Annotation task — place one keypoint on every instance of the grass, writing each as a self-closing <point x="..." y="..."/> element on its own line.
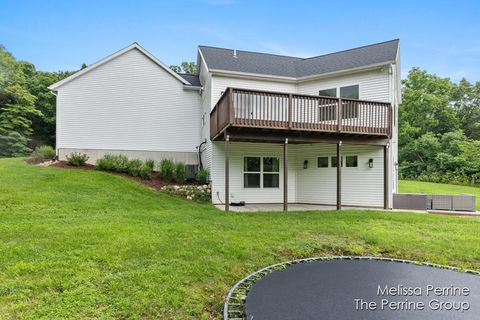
<point x="81" y="244"/>
<point x="406" y="186"/>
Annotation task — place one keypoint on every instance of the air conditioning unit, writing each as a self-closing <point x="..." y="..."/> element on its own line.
<point x="191" y="171"/>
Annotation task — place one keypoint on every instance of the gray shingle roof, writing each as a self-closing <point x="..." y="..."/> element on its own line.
<point x="285" y="66"/>
<point x="194" y="80"/>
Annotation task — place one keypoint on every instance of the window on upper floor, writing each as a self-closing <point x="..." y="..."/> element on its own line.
<point x="350" y="92"/>
<point x="328" y="92"/>
<point x="328" y="112"/>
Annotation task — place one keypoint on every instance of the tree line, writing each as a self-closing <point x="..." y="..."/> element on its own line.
<point x="439" y="129"/>
<point x="439" y="120"/>
<point x="27" y="107"/>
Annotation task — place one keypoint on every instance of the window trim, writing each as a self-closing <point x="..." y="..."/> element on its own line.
<point x="351" y="155"/>
<point x="334" y="88"/>
<point x="338" y="87"/>
<point x="261" y="172"/>
<point x="328" y="162"/>
<point x="352" y="85"/>
<point x="341" y="161"/>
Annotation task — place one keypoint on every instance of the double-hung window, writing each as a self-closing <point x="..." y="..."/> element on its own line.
<point x="261" y="172"/>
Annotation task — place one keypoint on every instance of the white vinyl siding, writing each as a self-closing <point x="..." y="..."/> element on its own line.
<point x="128" y="103"/>
<point x="206" y="108"/>
<point x="220" y="83"/>
<point x="360" y="185"/>
<point x="373" y="85"/>
<point x="237" y="152"/>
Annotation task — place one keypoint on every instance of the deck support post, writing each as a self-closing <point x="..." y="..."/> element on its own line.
<point x="227" y="174"/>
<point x="386" y="187"/>
<point x="285" y="175"/>
<point x="339" y="175"/>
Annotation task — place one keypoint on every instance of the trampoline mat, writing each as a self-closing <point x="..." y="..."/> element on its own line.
<point x="345" y="289"/>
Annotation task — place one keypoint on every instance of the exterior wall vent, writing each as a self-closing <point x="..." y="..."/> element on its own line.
<point x="191" y="171"/>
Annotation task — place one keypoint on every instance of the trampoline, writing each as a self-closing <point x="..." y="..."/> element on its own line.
<point x="366" y="288"/>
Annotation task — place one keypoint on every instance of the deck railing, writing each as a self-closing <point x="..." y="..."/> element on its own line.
<point x="273" y="110"/>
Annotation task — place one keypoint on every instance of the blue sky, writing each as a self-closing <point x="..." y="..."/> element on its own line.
<point x="442" y="37"/>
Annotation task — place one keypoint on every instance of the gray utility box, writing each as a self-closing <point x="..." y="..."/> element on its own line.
<point x="464" y="203"/>
<point x="447" y="202"/>
<point x="410" y="201"/>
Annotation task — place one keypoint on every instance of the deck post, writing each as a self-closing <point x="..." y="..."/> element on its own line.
<point x="339" y="175"/>
<point x="339" y="115"/>
<point x="385" y="177"/>
<point x="231" y="110"/>
<point x="290" y="106"/>
<point x="285" y="175"/>
<point x="227" y="174"/>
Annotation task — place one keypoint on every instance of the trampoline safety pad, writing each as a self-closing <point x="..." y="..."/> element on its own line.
<point x="364" y="289"/>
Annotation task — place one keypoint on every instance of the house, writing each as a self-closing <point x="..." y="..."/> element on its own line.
<point x="270" y="128"/>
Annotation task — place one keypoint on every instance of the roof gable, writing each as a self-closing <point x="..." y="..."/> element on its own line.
<point x="133" y="46"/>
<point x="294" y="67"/>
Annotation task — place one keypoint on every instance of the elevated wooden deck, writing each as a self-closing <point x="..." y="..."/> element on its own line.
<point x="251" y="114"/>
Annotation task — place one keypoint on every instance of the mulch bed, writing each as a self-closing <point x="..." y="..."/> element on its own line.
<point x="155" y="183"/>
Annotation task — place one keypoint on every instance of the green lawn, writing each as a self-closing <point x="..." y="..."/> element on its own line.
<point x="406" y="186"/>
<point x="88" y="245"/>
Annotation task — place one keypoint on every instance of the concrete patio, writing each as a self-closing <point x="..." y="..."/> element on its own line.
<point x="259" y="207"/>
<point x="255" y="207"/>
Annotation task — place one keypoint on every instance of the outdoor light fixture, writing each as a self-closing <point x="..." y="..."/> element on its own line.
<point x="370" y="163"/>
<point x="305" y="164"/>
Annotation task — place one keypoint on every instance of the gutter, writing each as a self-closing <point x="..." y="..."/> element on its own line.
<point x="193" y="88"/>
<point x="248" y="75"/>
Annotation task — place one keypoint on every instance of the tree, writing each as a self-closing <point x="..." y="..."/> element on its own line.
<point x="189" y="67"/>
<point x="185" y="67"/>
<point x="470" y="158"/>
<point x="467" y="105"/>
<point x="17" y="105"/>
<point x="451" y="142"/>
<point x="176" y="68"/>
<point x="43" y="125"/>
<point x="426" y="106"/>
<point x="419" y="156"/>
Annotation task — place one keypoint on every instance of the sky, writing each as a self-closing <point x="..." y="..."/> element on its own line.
<point x="442" y="37"/>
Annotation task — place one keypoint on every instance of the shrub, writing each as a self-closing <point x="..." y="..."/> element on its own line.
<point x="167" y="168"/>
<point x="120" y="164"/>
<point x="180" y="172"/>
<point x="105" y="163"/>
<point x="151" y="164"/>
<point x="77" y="159"/>
<point x="43" y="153"/>
<point x="116" y="163"/>
<point x="197" y="193"/>
<point x="145" y="172"/>
<point x="134" y="166"/>
<point x="202" y="175"/>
